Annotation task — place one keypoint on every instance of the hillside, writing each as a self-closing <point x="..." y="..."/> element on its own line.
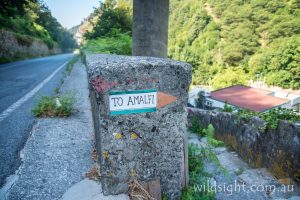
<point x="232" y="41"/>
<point x="107" y="29"/>
<point x="31" y="21"/>
<point x="227" y="41"/>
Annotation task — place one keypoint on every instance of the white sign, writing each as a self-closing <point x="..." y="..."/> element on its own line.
<point x="128" y="102"/>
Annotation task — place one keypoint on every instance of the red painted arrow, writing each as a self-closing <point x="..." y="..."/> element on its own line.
<point x="164" y="99"/>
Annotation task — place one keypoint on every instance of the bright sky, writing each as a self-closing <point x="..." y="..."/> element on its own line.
<point x="71" y="12"/>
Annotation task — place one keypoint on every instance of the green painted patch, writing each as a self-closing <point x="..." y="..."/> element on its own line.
<point x="126" y="112"/>
<point x="132" y="92"/>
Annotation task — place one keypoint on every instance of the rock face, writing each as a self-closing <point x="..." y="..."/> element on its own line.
<point x="148" y="145"/>
<point x="278" y="149"/>
<point x="14" y="47"/>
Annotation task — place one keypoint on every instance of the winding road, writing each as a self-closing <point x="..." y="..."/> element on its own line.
<point x="21" y="84"/>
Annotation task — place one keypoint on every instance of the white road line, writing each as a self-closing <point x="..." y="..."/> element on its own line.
<point x="23" y="99"/>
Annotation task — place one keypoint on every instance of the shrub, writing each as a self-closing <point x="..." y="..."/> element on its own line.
<point x="273" y="116"/>
<point x="209" y="132"/>
<point x="228" y="77"/>
<point x="49" y="106"/>
<point x="118" y="44"/>
<point x="197" y="176"/>
<point x="227" y="108"/>
<point x="196" y="127"/>
<point x="245" y="114"/>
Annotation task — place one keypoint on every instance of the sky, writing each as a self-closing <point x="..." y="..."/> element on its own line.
<point x="71" y="12"/>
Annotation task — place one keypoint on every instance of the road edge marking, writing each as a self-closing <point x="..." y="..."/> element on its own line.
<point x="30" y="94"/>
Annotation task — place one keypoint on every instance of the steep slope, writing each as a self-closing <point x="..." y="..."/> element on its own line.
<point x="231" y="41"/>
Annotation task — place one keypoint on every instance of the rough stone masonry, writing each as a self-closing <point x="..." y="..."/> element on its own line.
<point x="140" y="120"/>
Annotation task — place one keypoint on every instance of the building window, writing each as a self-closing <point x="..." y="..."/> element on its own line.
<point x="208" y="104"/>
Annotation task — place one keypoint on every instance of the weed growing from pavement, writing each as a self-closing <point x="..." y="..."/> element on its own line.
<point x="197" y="175"/>
<point x="209" y="133"/>
<point x="195" y="127"/>
<point x="202" y="132"/>
<point x="197" y="158"/>
<point x="50" y="106"/>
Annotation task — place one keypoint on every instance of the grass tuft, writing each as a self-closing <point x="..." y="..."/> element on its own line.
<point x="49" y="106"/>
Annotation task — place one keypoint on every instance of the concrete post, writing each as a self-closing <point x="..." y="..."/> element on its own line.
<point x="150" y="28"/>
<point x="139" y="108"/>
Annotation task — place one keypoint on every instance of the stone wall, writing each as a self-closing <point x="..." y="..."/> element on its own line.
<point x="278" y="150"/>
<point x="148" y="146"/>
<point x="15" y="47"/>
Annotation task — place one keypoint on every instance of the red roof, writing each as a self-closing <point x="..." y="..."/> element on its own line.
<point x="248" y="98"/>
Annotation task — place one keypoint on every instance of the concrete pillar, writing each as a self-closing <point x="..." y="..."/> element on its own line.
<point x="140" y="123"/>
<point x="150" y="28"/>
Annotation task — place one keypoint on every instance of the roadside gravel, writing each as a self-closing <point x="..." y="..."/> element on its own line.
<point x="58" y="153"/>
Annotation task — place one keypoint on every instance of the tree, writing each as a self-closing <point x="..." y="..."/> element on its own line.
<point x="33" y="18"/>
<point x="229" y="77"/>
<point x="114" y="17"/>
<point x="220" y="37"/>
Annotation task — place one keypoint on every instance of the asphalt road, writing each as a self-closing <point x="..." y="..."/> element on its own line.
<point x="21" y="84"/>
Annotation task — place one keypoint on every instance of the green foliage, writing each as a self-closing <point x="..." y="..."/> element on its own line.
<point x="273" y="117"/>
<point x="113" y="15"/>
<point x="209" y="133"/>
<point x="11" y="8"/>
<point x="164" y="197"/>
<point x="279" y="62"/>
<point x="33" y="18"/>
<point x="229" y="77"/>
<point x="119" y="44"/>
<point x="196" y="127"/>
<point x="111" y="32"/>
<point x="197" y="156"/>
<point x="227" y="108"/>
<point x="193" y="37"/>
<point x="49" y="106"/>
<point x="246" y="115"/>
<point x="229" y="42"/>
<point x="197" y="176"/>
